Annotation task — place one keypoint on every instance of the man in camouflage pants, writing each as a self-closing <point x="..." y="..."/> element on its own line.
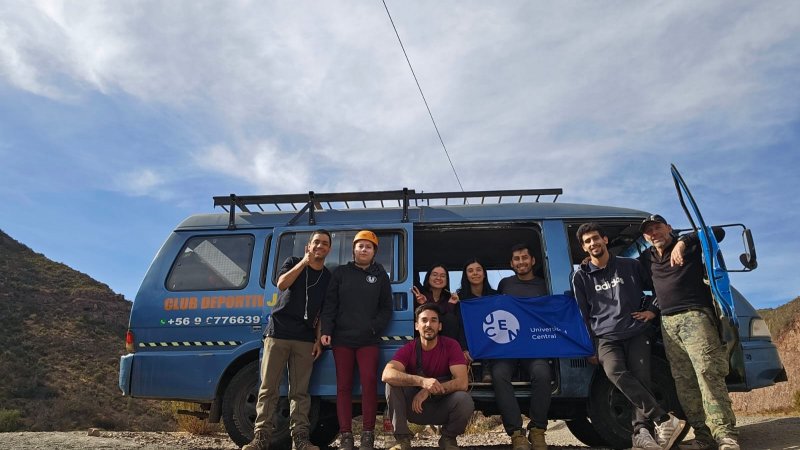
<point x="690" y="331"/>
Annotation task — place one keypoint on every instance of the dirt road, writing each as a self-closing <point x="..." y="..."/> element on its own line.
<point x="757" y="433"/>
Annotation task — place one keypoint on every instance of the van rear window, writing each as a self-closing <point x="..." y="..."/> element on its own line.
<point x="209" y="263"/>
<point x="390" y="254"/>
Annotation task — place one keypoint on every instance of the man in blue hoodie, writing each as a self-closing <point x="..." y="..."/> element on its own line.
<point x="610" y="293"/>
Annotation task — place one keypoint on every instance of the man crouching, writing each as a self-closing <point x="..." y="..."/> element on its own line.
<point x="414" y="392"/>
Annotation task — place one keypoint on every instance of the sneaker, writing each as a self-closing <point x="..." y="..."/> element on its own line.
<point x="448" y="443"/>
<point x="696" y="444"/>
<point x="300" y="442"/>
<point x="519" y="441"/>
<point x="728" y="443"/>
<point x="367" y="440"/>
<point x="401" y="443"/>
<point x="536" y="438"/>
<point x="346" y="441"/>
<point x="487" y="377"/>
<point x="643" y="440"/>
<point x="670" y="431"/>
<point x="260" y="442"/>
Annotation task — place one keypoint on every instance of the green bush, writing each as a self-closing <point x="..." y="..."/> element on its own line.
<point x="9" y="420"/>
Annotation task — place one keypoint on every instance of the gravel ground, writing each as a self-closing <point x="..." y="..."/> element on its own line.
<point x="757" y="433"/>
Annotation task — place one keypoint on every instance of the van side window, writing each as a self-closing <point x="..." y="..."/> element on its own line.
<point x="624" y="240"/>
<point x="208" y="263"/>
<point x="389" y="254"/>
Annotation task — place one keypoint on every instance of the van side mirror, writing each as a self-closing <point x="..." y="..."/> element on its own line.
<point x="748" y="259"/>
<point x="719" y="233"/>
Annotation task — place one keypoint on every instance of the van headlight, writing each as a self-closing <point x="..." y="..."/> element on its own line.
<point x="759" y="328"/>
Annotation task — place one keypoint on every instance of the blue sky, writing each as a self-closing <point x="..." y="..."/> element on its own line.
<point x="120" y="118"/>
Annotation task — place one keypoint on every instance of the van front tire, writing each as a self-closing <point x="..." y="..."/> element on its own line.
<point x="610" y="412"/>
<point x="239" y="413"/>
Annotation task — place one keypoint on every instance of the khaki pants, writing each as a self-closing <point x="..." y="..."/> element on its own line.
<point x="699" y="366"/>
<point x="278" y="354"/>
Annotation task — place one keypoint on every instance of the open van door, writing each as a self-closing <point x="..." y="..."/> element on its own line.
<point x="717" y="274"/>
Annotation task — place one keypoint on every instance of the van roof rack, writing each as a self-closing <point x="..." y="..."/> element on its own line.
<point x="358" y="200"/>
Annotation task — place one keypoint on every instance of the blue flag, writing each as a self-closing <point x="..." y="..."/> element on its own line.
<point x="502" y="326"/>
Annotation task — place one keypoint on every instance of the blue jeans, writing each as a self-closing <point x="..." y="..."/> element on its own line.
<point x="539" y="372"/>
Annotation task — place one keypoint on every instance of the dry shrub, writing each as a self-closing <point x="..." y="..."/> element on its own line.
<point x="797" y="401"/>
<point x="480" y="424"/>
<point x="9" y="420"/>
<point x="191" y="424"/>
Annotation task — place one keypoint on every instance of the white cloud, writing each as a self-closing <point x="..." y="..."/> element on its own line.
<point x="567" y="79"/>
<point x="262" y="164"/>
<point x="139" y="182"/>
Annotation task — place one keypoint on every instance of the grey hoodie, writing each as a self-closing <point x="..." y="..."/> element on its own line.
<point x="608" y="296"/>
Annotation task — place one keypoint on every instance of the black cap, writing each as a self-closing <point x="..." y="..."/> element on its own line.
<point x="650" y="219"/>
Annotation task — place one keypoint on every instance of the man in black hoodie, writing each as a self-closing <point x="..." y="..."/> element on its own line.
<point x="610" y="293"/>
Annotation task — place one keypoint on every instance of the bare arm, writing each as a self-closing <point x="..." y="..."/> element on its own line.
<point x="316" y="350"/>
<point x="287" y="278"/>
<point x="460" y="381"/>
<point x="395" y="374"/>
<point x="676" y="257"/>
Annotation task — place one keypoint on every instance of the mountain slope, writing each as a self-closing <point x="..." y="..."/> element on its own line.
<point x="61" y="334"/>
<point x="784" y="325"/>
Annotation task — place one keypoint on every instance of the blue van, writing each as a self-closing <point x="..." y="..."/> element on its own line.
<point x="196" y="324"/>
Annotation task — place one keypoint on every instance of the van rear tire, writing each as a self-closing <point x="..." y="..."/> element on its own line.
<point x="239" y="413"/>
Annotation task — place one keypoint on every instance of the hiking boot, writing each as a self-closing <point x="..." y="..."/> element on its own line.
<point x="448" y="443"/>
<point x="300" y="442"/>
<point x="696" y="444"/>
<point x="367" y="440"/>
<point x="728" y="443"/>
<point x="644" y="440"/>
<point x="401" y="443"/>
<point x="519" y="441"/>
<point x="536" y="438"/>
<point x="260" y="442"/>
<point x="346" y="441"/>
<point x="670" y="431"/>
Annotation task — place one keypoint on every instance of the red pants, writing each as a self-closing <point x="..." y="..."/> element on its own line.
<point x="367" y="359"/>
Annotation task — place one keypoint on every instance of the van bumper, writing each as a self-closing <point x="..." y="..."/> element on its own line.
<point x="762" y="365"/>
<point x="125" y="367"/>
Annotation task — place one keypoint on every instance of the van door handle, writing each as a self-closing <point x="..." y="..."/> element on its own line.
<point x="400" y="301"/>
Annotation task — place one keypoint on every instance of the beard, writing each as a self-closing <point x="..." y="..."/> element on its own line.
<point x="429" y="335"/>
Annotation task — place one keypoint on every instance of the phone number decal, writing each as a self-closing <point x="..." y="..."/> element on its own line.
<point x="212" y="320"/>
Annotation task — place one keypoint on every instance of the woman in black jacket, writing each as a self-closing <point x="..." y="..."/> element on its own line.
<point x="436" y="289"/>
<point x="357" y="308"/>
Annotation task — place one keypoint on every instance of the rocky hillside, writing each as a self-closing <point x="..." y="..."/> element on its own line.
<point x="784" y="324"/>
<point x="61" y="335"/>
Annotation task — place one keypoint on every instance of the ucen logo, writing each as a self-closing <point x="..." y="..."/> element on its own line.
<point x="501" y="326"/>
